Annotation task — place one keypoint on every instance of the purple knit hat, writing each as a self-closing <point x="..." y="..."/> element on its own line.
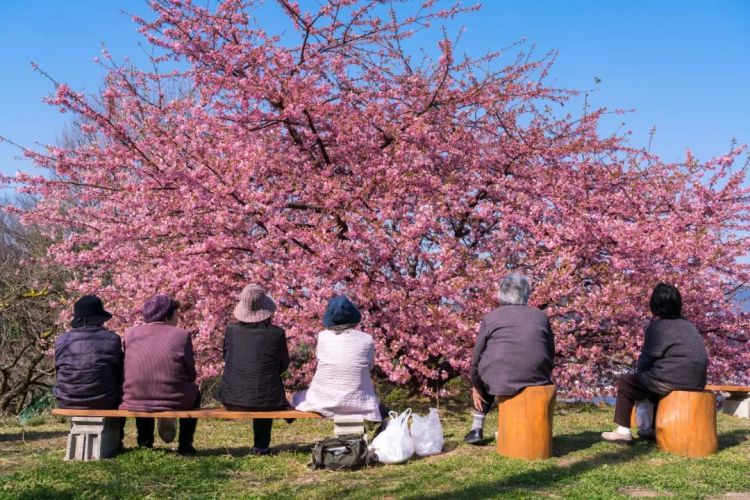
<point x="156" y="308"/>
<point x="254" y="305"/>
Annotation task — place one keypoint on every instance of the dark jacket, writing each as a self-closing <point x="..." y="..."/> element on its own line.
<point x="159" y="368"/>
<point x="673" y="357"/>
<point x="515" y="349"/>
<point x="88" y="362"/>
<point x="255" y="356"/>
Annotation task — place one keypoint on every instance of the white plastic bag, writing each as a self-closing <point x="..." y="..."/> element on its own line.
<point x="427" y="433"/>
<point x="644" y="415"/>
<point x="394" y="445"/>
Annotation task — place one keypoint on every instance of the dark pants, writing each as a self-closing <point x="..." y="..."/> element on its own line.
<point x="122" y="421"/>
<point x="145" y="427"/>
<point x="629" y="390"/>
<point x="261" y="426"/>
<point x="489" y="399"/>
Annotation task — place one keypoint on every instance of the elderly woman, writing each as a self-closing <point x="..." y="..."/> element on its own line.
<point x="160" y="371"/>
<point x="514" y="350"/>
<point x="88" y="361"/>
<point x="673" y="358"/>
<point x="255" y="356"/>
<point x="342" y="384"/>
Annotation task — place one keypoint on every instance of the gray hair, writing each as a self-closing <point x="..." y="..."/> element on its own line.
<point x="515" y="289"/>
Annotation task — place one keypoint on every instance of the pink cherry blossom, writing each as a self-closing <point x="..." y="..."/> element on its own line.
<point x="343" y="164"/>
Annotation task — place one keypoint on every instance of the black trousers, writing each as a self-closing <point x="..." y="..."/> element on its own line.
<point x="489" y="399"/>
<point x="261" y="426"/>
<point x="629" y="390"/>
<point x="121" y="421"/>
<point x="145" y="427"/>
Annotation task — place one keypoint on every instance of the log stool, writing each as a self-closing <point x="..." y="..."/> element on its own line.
<point x="686" y="423"/>
<point x="524" y="423"/>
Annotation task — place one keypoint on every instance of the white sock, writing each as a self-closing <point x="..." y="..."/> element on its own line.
<point x="478" y="422"/>
<point x="622" y="430"/>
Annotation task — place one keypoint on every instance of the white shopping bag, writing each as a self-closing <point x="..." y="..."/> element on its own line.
<point x="644" y="415"/>
<point x="394" y="445"/>
<point x="427" y="433"/>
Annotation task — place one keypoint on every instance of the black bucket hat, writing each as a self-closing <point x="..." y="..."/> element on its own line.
<point x="89" y="311"/>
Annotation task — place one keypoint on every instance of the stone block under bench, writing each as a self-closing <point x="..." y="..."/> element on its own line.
<point x="738" y="403"/>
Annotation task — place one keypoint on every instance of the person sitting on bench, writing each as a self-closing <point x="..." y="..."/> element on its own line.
<point x="160" y="371"/>
<point x="88" y="361"/>
<point x="342" y="385"/>
<point x="255" y="356"/>
<point x="673" y="358"/>
<point x="515" y="349"/>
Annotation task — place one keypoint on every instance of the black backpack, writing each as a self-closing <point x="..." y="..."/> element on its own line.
<point x="340" y="454"/>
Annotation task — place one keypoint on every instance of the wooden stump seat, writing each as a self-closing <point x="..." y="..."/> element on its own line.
<point x="686" y="423"/>
<point x="524" y="423"/>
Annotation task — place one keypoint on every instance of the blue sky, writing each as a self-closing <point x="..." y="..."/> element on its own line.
<point x="682" y="65"/>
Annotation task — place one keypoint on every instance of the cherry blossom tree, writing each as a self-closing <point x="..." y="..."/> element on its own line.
<point x="340" y="162"/>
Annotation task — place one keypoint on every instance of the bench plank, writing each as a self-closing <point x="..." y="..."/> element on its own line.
<point x="728" y="388"/>
<point x="197" y="413"/>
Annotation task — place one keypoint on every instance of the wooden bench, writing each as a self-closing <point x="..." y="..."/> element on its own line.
<point x="738" y="403"/>
<point x="95" y="434"/>
<point x="524" y="423"/>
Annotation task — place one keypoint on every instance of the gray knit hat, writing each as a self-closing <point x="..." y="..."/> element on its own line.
<point x="254" y="305"/>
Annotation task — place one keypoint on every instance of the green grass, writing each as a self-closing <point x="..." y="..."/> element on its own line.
<point x="32" y="466"/>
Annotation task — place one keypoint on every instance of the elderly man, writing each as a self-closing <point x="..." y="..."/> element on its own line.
<point x="514" y="350"/>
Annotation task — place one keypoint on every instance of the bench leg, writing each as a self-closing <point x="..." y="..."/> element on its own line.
<point x="93" y="438"/>
<point x="738" y="406"/>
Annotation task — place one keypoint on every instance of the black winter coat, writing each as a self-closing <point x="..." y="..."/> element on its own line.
<point x="88" y="362"/>
<point x="673" y="357"/>
<point x="255" y="356"/>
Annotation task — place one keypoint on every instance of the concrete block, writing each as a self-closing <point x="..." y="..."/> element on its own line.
<point x="738" y="407"/>
<point x="93" y="438"/>
<point x="348" y="426"/>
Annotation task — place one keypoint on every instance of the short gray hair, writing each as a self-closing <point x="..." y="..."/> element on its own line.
<point x="515" y="289"/>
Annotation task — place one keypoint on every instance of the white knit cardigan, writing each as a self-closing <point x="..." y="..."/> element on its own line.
<point x="342" y="384"/>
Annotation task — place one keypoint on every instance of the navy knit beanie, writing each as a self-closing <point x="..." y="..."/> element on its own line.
<point x="341" y="311"/>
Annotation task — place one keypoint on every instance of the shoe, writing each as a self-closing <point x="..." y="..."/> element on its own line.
<point x="186" y="450"/>
<point x="145" y="444"/>
<point x="290" y="421"/>
<point x="649" y="434"/>
<point x="260" y="451"/>
<point x="616" y="437"/>
<point x="474" y="436"/>
<point x="167" y="428"/>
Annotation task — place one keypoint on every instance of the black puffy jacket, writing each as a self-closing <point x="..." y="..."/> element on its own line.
<point x="88" y="362"/>
<point x="255" y="356"/>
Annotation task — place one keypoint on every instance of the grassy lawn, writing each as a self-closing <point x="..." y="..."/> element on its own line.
<point x="32" y="466"/>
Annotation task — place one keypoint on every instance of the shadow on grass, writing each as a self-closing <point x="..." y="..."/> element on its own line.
<point x="133" y="474"/>
<point x="532" y="480"/>
<point x="569" y="443"/>
<point x="734" y="438"/>
<point x="241" y="451"/>
<point x="32" y="435"/>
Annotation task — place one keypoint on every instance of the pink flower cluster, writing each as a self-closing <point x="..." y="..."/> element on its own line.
<point x="342" y="164"/>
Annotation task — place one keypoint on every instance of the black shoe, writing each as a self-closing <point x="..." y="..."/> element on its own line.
<point x="649" y="434"/>
<point x="474" y="436"/>
<point x="186" y="450"/>
<point x="260" y="451"/>
<point x="145" y="444"/>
